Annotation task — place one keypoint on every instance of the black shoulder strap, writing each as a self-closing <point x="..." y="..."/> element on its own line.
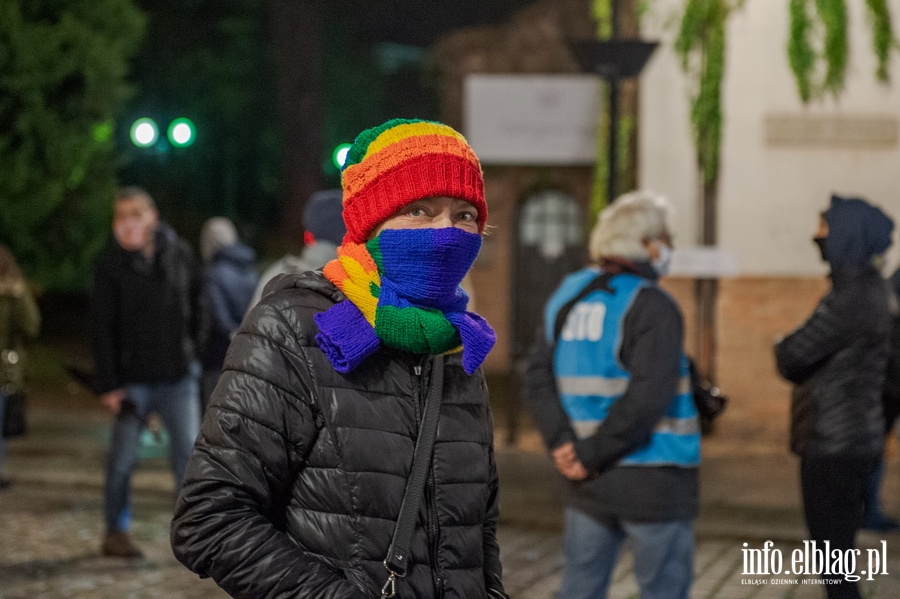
<point x="600" y="282"/>
<point x="397" y="560"/>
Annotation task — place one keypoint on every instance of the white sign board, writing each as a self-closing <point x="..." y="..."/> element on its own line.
<point x="532" y="119"/>
<point x="706" y="262"/>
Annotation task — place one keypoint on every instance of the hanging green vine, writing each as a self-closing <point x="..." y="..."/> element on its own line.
<point x="825" y="25"/>
<point x="801" y="55"/>
<point x="601" y="10"/>
<point x="833" y="14"/>
<point x="701" y="45"/>
<point x="882" y="36"/>
<point x="627" y="131"/>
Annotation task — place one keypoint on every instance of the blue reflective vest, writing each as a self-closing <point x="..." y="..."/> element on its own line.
<point x="590" y="378"/>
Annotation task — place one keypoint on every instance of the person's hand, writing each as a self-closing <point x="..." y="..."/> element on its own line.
<point x="113" y="400"/>
<point x="567" y="462"/>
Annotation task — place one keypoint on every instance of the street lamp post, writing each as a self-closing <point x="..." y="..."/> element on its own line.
<point x="614" y="60"/>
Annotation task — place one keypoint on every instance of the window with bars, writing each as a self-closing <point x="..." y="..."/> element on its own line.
<point x="551" y="222"/>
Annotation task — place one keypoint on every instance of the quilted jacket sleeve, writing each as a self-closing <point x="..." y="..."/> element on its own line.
<point x="493" y="569"/>
<point x="229" y="517"/>
<point x="826" y="331"/>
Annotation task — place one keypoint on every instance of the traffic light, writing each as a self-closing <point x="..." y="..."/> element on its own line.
<point x="339" y="156"/>
<point x="181" y="132"/>
<point x="144" y="132"/>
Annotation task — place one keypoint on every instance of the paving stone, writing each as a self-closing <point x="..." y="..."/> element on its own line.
<point x="51" y="524"/>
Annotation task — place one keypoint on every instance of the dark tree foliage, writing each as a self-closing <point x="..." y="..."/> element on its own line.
<point x="62" y="83"/>
<point x="212" y="63"/>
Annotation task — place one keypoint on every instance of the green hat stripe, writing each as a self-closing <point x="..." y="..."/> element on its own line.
<point x="361" y="143"/>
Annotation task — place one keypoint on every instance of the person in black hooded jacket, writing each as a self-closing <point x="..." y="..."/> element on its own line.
<point x="837" y="361"/>
<point x="297" y="479"/>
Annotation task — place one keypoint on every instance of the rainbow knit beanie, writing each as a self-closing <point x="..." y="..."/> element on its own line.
<point x="402" y="161"/>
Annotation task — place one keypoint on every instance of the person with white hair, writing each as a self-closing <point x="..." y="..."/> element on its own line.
<point x="609" y="388"/>
<point x="229" y="280"/>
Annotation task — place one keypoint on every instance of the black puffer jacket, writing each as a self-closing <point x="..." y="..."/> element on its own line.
<point x="296" y="481"/>
<point x="837" y="359"/>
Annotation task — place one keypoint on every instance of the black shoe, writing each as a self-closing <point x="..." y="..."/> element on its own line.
<point x="5" y="483"/>
<point x="118" y="544"/>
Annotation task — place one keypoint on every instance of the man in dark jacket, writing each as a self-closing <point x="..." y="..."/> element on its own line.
<point x="296" y="483"/>
<point x="609" y="388"/>
<point x="837" y="361"/>
<point x="148" y="319"/>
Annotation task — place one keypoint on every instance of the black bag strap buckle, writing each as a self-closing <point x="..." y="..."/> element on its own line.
<point x="390" y="587"/>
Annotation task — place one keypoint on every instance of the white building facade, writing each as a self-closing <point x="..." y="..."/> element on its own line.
<point x="781" y="160"/>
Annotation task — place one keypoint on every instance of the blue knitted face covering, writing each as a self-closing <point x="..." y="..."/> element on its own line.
<point x="404" y="284"/>
<point x="425" y="266"/>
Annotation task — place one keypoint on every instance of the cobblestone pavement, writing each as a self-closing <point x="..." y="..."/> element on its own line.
<point x="50" y="522"/>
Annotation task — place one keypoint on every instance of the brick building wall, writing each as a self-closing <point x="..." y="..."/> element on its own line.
<point x="752" y="313"/>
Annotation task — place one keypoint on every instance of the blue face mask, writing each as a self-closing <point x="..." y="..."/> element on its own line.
<point x="663" y="262"/>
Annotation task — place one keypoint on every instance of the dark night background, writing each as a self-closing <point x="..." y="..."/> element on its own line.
<point x="223" y="64"/>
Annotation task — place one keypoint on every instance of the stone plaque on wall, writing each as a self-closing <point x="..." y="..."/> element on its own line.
<point x="858" y="131"/>
<point x="532" y="119"/>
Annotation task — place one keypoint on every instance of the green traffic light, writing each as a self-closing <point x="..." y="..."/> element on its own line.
<point x="144" y="132"/>
<point x="339" y="156"/>
<point x="182" y="132"/>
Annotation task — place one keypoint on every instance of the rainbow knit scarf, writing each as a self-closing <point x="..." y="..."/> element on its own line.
<point x="402" y="289"/>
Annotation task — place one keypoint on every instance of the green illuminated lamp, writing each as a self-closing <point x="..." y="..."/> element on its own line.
<point x="339" y="156"/>
<point x="144" y="132"/>
<point x="182" y="132"/>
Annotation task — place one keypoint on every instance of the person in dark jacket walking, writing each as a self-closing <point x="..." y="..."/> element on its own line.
<point x="148" y="321"/>
<point x="609" y="387"/>
<point x="837" y="361"/>
<point x="295" y="485"/>
<point x="229" y="279"/>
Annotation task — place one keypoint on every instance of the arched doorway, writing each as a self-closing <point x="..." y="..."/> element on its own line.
<point x="549" y="243"/>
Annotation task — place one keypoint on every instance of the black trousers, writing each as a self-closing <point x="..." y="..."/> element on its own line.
<point x="834" y="492"/>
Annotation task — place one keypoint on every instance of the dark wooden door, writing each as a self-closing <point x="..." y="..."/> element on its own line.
<point x="549" y="244"/>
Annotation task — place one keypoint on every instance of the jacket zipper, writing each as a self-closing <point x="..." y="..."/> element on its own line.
<point x="433" y="529"/>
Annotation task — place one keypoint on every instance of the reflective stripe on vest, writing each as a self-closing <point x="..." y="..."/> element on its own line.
<point x="590" y="378"/>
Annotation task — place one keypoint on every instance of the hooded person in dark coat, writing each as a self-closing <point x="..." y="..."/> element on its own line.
<point x="837" y="361"/>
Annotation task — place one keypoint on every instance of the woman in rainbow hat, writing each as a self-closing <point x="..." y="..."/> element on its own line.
<point x="297" y="480"/>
